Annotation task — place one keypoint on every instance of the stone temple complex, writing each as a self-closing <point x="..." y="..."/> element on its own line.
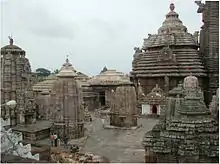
<point x="186" y="132"/>
<point x="167" y="57"/>
<point x="66" y="107"/>
<point x="16" y="84"/>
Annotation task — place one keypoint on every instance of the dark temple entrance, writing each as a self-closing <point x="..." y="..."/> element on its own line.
<point x="102" y="98"/>
<point x="154" y="109"/>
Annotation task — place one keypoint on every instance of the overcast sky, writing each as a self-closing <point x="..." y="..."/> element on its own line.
<point x="94" y="33"/>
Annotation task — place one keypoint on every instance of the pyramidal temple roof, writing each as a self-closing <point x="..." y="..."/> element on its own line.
<point x="171" y="52"/>
<point x="172" y="32"/>
<point x="110" y="77"/>
<point x="67" y="70"/>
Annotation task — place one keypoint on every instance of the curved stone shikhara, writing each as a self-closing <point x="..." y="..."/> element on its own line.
<point x="10" y="144"/>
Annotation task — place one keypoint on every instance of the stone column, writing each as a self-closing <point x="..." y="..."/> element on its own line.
<point x="20" y="116"/>
<point x="166" y="86"/>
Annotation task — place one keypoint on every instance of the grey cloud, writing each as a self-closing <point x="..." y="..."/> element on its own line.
<point x="44" y="24"/>
<point x="94" y="32"/>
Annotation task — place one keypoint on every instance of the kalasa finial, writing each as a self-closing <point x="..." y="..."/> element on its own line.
<point x="172" y="7"/>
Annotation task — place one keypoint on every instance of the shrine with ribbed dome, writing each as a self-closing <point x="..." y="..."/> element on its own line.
<point x="167" y="57"/>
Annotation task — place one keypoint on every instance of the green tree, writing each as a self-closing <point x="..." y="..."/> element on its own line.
<point x="56" y="71"/>
<point x="42" y="72"/>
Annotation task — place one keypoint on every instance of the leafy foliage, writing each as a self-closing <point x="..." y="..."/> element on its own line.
<point x="42" y="72"/>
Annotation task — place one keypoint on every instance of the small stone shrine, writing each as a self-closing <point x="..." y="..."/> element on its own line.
<point x="103" y="84"/>
<point x="67" y="104"/>
<point x="153" y="101"/>
<point x="186" y="132"/>
<point x="123" y="110"/>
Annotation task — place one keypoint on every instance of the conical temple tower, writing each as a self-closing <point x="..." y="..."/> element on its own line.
<point x="66" y="104"/>
<point x="16" y="84"/>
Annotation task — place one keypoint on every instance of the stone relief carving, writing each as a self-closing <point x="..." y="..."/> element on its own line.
<point x="137" y="50"/>
<point x="166" y="54"/>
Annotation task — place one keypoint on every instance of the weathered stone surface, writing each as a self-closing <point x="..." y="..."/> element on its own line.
<point x="66" y="106"/>
<point x="187" y="133"/>
<point x="209" y="43"/>
<point x="168" y="56"/>
<point x="16" y="84"/>
<point x="123" y="110"/>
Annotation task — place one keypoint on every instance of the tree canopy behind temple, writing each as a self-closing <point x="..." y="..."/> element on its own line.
<point x="42" y="72"/>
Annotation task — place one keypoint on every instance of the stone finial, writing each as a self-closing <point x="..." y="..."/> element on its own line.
<point x="191" y="82"/>
<point x="10" y="40"/>
<point x="67" y="60"/>
<point x="172" y="7"/>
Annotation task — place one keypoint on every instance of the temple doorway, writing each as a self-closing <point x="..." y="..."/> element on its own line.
<point x="102" y="98"/>
<point x="154" y="109"/>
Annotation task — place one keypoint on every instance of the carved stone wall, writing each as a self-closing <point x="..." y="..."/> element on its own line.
<point x="209" y="44"/>
<point x="186" y="131"/>
<point x="66" y="104"/>
<point x="16" y="84"/>
<point x="123" y="110"/>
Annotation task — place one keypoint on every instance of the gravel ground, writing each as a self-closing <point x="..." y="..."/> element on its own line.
<point x="115" y="144"/>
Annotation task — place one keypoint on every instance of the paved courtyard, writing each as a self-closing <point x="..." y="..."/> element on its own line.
<point x="117" y="145"/>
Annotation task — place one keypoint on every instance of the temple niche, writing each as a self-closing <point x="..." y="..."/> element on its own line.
<point x="167" y="57"/>
<point x="66" y="105"/>
<point x="186" y="132"/>
<point x="123" y="108"/>
<point x="152" y="102"/>
<point x="16" y="84"/>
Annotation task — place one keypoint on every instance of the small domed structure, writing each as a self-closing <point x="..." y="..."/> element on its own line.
<point x="105" y="82"/>
<point x="191" y="82"/>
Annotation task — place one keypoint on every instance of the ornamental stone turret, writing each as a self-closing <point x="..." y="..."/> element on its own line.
<point x="186" y="132"/>
<point x="67" y="104"/>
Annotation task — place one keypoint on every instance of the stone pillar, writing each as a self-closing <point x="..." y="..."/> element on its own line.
<point x="21" y="117"/>
<point x="166" y="86"/>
